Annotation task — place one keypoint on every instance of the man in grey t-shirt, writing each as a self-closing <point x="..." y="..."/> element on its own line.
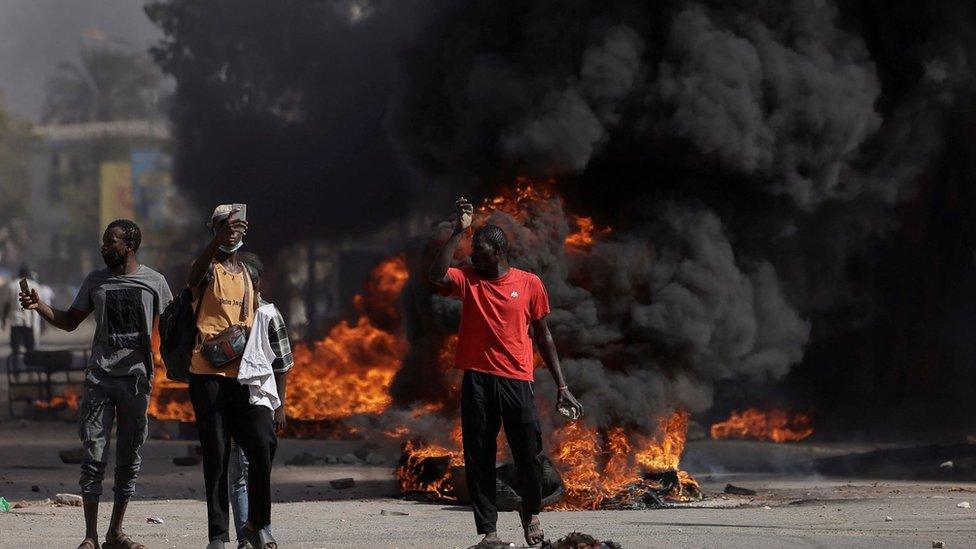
<point x="125" y="307"/>
<point x="126" y="299"/>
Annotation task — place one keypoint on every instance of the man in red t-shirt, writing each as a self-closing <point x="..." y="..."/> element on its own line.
<point x="502" y="310"/>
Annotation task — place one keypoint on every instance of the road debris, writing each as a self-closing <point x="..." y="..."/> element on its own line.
<point x="342" y="483"/>
<point x="73" y="456"/>
<point x="963" y="505"/>
<point x="738" y="490"/>
<point x="68" y="499"/>
<point x="154" y="520"/>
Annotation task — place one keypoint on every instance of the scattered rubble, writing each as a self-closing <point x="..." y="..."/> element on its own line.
<point x="342" y="483"/>
<point x="73" y="456"/>
<point x="946" y="464"/>
<point x="964" y="505"/>
<point x="738" y="490"/>
<point x="24" y="503"/>
<point x="35" y="488"/>
<point x="68" y="499"/>
<point x="579" y="540"/>
<point x="889" y="519"/>
<point x="154" y="520"/>
<point x="936" y="544"/>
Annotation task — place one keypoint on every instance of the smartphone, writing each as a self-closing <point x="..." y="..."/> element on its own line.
<point x="241" y="212"/>
<point x="24" y="287"/>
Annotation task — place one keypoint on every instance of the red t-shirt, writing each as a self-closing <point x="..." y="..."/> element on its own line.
<point x="495" y="316"/>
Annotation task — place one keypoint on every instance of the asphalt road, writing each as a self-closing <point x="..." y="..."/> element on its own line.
<point x="802" y="511"/>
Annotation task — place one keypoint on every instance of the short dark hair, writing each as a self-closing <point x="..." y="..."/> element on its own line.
<point x="253" y="265"/>
<point x="131" y="234"/>
<point x="494" y="236"/>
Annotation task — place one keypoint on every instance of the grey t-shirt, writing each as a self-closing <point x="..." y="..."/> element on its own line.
<point x="124" y="310"/>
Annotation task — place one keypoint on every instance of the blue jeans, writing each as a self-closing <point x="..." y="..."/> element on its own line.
<point x="237" y="483"/>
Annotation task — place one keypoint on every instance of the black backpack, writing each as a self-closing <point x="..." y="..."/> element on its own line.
<point x="178" y="334"/>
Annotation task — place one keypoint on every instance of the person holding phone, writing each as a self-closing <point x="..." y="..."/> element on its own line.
<point x="126" y="299"/>
<point x="23" y="323"/>
<point x="225" y="304"/>
<point x="503" y="310"/>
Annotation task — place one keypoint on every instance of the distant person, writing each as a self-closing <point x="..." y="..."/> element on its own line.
<point x="503" y="309"/>
<point x="24" y="324"/>
<point x="226" y="305"/>
<point x="126" y="299"/>
<point x="283" y="362"/>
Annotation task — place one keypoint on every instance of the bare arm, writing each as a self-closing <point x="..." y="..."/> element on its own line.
<point x="547" y="348"/>
<point x="461" y="220"/>
<point x="199" y="268"/>
<point x="281" y="380"/>
<point x="227" y="233"/>
<point x="65" y="320"/>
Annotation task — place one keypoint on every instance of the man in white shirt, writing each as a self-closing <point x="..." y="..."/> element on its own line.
<point x="23" y="323"/>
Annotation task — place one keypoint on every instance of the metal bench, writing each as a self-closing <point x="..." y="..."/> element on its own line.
<point x="35" y="374"/>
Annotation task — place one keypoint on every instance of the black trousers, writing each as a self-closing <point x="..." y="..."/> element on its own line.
<point x="487" y="402"/>
<point x="223" y="411"/>
<point x="21" y="336"/>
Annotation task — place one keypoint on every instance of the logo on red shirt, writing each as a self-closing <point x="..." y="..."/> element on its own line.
<point x="514" y="295"/>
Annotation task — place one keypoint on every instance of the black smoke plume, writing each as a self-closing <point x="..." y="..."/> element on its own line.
<point x="788" y="182"/>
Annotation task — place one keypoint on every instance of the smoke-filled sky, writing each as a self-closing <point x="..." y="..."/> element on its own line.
<point x="37" y="35"/>
<point x="774" y="169"/>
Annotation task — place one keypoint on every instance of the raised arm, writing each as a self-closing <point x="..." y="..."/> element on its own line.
<point x="461" y="220"/>
<point x="226" y="233"/>
<point x="547" y="348"/>
<point x="65" y="320"/>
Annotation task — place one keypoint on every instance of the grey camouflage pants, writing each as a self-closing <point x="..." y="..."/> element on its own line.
<point x="109" y="399"/>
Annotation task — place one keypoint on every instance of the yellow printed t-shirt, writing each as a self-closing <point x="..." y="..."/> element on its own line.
<point x="221" y="304"/>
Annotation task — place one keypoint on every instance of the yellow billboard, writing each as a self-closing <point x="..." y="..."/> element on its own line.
<point x="116" y="192"/>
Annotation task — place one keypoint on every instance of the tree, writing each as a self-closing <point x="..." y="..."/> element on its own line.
<point x="15" y="140"/>
<point x="107" y="84"/>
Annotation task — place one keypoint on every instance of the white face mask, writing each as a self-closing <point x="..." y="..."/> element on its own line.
<point x="232" y="249"/>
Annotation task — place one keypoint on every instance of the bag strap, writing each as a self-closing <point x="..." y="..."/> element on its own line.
<point x="246" y="302"/>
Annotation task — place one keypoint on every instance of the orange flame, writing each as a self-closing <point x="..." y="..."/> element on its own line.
<point x="382" y="290"/>
<point x="349" y="372"/>
<point x="775" y="425"/>
<point x="583" y="237"/>
<point x="579" y="453"/>
<point x="68" y="398"/>
<point x="170" y="400"/>
<point x="410" y="469"/>
<point x="663" y="452"/>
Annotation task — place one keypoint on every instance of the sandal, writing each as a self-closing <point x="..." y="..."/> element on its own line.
<point x="534" y="535"/>
<point x="88" y="544"/>
<point x="261" y="539"/>
<point x="122" y="542"/>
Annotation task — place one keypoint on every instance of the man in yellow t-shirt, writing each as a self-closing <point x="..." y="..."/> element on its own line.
<point x="224" y="297"/>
